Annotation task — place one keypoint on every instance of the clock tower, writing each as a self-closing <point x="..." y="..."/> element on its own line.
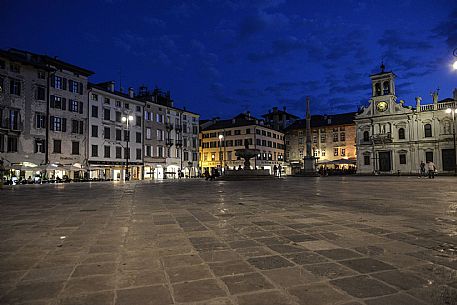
<point x="383" y="96"/>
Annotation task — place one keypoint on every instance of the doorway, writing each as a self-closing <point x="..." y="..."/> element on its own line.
<point x="385" y="161"/>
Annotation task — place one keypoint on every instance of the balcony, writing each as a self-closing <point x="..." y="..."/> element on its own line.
<point x="178" y="142"/>
<point x="15" y="125"/>
<point x="178" y="128"/>
<point x="169" y="142"/>
<point x="169" y="126"/>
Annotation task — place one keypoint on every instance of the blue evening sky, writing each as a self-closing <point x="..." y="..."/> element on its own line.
<point x="222" y="57"/>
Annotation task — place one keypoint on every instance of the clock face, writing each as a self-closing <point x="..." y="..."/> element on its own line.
<point x="381" y="106"/>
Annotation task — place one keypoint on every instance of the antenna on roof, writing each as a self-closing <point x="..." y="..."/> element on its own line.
<point x="382" y="65"/>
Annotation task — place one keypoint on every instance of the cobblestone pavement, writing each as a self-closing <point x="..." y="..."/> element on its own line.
<point x="334" y="240"/>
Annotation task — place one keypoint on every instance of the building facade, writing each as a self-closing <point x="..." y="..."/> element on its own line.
<point x="171" y="137"/>
<point x="42" y="114"/>
<point x="221" y="138"/>
<point x="279" y="119"/>
<point x="115" y="133"/>
<point x="393" y="138"/>
<point x="333" y="142"/>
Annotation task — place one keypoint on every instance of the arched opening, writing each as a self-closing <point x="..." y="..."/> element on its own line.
<point x="366" y="136"/>
<point x="377" y="89"/>
<point x="428" y="130"/>
<point x="386" y="87"/>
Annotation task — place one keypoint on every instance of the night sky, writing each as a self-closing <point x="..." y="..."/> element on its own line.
<point x="219" y="58"/>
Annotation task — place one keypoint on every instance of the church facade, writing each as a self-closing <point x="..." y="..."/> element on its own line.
<point x="393" y="138"/>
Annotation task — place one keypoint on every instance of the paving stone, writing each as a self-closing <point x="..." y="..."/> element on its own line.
<point x="243" y="244"/>
<point x="435" y="294"/>
<point x="265" y="298"/>
<point x="85" y="285"/>
<point x="284" y="249"/>
<point x="188" y="273"/>
<point x="140" y="278"/>
<point x="329" y="270"/>
<point x="306" y="257"/>
<point x="246" y="283"/>
<point x="181" y="260"/>
<point x="362" y="286"/>
<point x="317" y="294"/>
<point x="26" y="293"/>
<point x="150" y="295"/>
<point x="254" y="251"/>
<point x="219" y="256"/>
<point x="48" y="274"/>
<point x="289" y="277"/>
<point x="367" y="265"/>
<point x="319" y="245"/>
<point x="395" y="299"/>
<point x="339" y="254"/>
<point x="102" y="298"/>
<point x="300" y="238"/>
<point x="94" y="269"/>
<point x="230" y="268"/>
<point x="197" y="291"/>
<point x="401" y="279"/>
<point x="269" y="262"/>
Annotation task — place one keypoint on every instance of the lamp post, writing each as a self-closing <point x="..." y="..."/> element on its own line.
<point x="453" y="111"/>
<point x="221" y="137"/>
<point x="126" y="120"/>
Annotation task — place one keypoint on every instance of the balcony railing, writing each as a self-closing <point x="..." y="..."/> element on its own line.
<point x="382" y="138"/>
<point x="438" y="106"/>
<point x="178" y="128"/>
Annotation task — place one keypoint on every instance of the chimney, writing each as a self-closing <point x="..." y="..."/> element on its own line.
<point x="111" y="86"/>
<point x="131" y="92"/>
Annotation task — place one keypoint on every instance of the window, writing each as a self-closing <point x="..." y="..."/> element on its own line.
<point x="58" y="82"/>
<point x="94" y="111"/>
<point x="343" y="152"/>
<point x="107" y="101"/>
<point x="428" y="130"/>
<point x="107" y="133"/>
<point x="74" y="106"/>
<point x="118" y="152"/>
<point x="94" y="133"/>
<point x="126" y="105"/>
<point x="15" y="86"/>
<point x="58" y="124"/>
<point x="57" y="146"/>
<point x="237" y="132"/>
<point x="366" y="136"/>
<point x="16" y="68"/>
<point x="300" y="153"/>
<point x="73" y="86"/>
<point x="41" y="74"/>
<point x="402" y="158"/>
<point x="342" y="136"/>
<point x="118" y="135"/>
<point x="335" y="151"/>
<point x="323" y="153"/>
<point x="118" y="104"/>
<point x="401" y="133"/>
<point x="264" y="133"/>
<point x="138" y="137"/>
<point x="323" y="137"/>
<point x="106" y="114"/>
<point x="118" y="116"/>
<point x="366" y="160"/>
<point x="94" y="97"/>
<point x="12" y="144"/>
<point x="58" y="102"/>
<point x="106" y="151"/>
<point x="160" y="151"/>
<point x="213" y="156"/>
<point x="40" y="93"/>
<point x="39" y="146"/>
<point x="335" y="137"/>
<point x="160" y="135"/>
<point x="147" y="150"/>
<point x="138" y="108"/>
<point x="138" y="153"/>
<point x="40" y="120"/>
<point x="138" y="120"/>
<point x="148" y="133"/>
<point x="75" y="148"/>
<point x="94" y="151"/>
<point x="342" y="128"/>
<point x="74" y="126"/>
<point x="269" y="134"/>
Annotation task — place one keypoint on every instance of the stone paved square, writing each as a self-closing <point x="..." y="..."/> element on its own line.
<point x="331" y="240"/>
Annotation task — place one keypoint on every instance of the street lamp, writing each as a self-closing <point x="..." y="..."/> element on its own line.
<point x="453" y="111"/>
<point x="126" y="120"/>
<point x="221" y="137"/>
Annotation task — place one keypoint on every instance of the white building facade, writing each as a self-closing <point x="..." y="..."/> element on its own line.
<point x="393" y="138"/>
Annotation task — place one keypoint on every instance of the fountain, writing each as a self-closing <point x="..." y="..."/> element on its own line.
<point x="246" y="173"/>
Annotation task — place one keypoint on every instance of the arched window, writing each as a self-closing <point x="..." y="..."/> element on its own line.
<point x="401" y="133"/>
<point x="386" y="88"/>
<point x="366" y="136"/>
<point x="377" y="89"/>
<point x="428" y="130"/>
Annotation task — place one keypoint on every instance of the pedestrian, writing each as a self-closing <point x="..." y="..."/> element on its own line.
<point x="422" y="169"/>
<point x="213" y="174"/>
<point x="275" y="170"/>
<point x="279" y="170"/>
<point x="207" y="175"/>
<point x="431" y="169"/>
<point x="179" y="174"/>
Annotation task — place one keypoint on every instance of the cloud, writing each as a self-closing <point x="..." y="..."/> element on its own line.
<point x="261" y="21"/>
<point x="279" y="48"/>
<point x="129" y="41"/>
<point x="402" y="41"/>
<point x="447" y="30"/>
<point x="288" y="88"/>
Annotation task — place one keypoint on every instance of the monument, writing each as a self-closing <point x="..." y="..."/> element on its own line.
<point x="309" y="160"/>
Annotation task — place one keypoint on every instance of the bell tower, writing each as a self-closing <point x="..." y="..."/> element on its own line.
<point x="383" y="91"/>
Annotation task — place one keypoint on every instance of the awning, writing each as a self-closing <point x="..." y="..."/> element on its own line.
<point x="338" y="162"/>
